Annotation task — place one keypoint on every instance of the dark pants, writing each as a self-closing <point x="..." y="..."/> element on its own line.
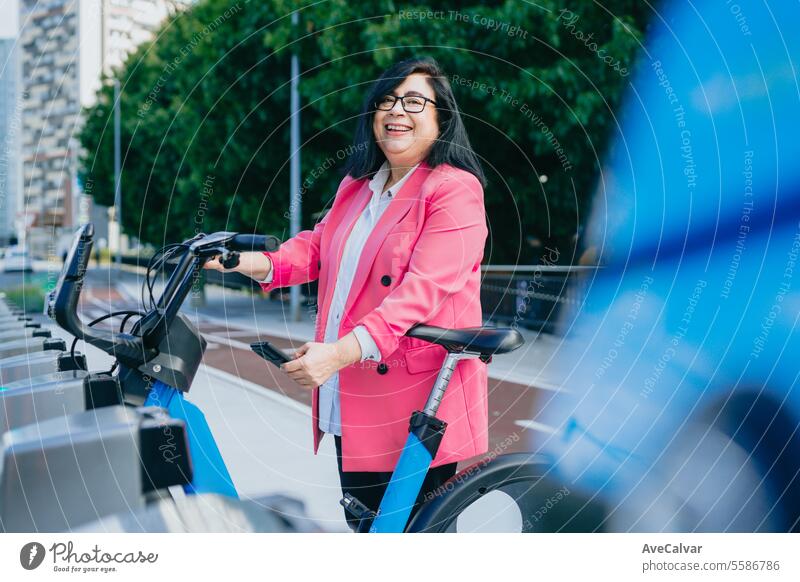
<point x="368" y="487"/>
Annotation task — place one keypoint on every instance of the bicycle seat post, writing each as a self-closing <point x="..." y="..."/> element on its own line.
<point x="425" y="431"/>
<point x="425" y="434"/>
<point x="443" y="379"/>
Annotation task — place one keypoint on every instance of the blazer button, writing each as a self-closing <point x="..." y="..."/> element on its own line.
<point x="386" y="280"/>
<point x="382" y="368"/>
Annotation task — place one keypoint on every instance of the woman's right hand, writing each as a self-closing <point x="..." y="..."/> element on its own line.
<point x="252" y="264"/>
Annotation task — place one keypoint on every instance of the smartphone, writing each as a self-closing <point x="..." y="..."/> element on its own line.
<point x="270" y="353"/>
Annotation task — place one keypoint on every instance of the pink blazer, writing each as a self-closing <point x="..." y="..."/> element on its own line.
<point x="421" y="264"/>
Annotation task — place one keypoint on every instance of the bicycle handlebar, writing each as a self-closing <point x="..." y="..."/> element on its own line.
<point x="253" y="242"/>
<point x="62" y="303"/>
<point x="201" y="248"/>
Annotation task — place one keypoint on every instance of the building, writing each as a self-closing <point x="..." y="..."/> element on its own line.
<point x="64" y="47"/>
<point x="10" y="113"/>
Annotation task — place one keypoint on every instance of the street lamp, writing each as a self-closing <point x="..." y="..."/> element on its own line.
<point x="117" y="176"/>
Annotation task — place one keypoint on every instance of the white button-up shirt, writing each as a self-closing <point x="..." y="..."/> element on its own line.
<point x="329" y="408"/>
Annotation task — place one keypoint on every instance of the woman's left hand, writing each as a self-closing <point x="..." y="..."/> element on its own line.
<point x="315" y="362"/>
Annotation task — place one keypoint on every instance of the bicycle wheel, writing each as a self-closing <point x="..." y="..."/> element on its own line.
<point x="512" y="492"/>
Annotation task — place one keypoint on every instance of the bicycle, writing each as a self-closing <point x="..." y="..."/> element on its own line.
<point x="160" y="356"/>
<point x="523" y="476"/>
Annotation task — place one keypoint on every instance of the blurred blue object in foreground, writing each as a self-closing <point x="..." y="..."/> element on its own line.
<point x="681" y="365"/>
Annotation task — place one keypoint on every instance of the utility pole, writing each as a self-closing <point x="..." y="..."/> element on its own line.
<point x="117" y="177"/>
<point x="294" y="170"/>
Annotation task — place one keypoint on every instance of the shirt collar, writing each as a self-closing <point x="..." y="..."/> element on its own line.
<point x="380" y="177"/>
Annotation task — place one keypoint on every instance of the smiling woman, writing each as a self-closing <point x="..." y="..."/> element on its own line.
<point x="435" y="131"/>
<point x="405" y="136"/>
<point x="401" y="245"/>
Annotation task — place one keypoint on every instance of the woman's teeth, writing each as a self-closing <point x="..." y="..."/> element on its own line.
<point x="392" y="127"/>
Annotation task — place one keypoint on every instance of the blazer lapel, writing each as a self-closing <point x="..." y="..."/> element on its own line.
<point x="397" y="209"/>
<point x="341" y="232"/>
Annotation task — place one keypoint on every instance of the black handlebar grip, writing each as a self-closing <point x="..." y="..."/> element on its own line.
<point x="231" y="261"/>
<point x="253" y="242"/>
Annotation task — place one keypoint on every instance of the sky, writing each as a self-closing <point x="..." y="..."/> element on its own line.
<point x="9" y="13"/>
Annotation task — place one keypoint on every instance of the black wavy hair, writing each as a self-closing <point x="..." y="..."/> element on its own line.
<point x="451" y="147"/>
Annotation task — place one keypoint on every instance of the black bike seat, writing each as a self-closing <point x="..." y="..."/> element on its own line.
<point x="482" y="340"/>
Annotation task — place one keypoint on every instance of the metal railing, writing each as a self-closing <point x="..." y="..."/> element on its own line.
<point x="526" y="296"/>
<point x="531" y="296"/>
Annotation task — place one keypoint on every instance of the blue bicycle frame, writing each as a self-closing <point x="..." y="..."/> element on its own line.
<point x="210" y="475"/>
<point x="425" y="435"/>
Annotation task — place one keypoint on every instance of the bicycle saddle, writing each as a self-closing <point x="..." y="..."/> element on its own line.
<point x="483" y="340"/>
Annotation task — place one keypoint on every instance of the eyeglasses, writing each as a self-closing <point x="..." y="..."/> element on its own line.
<point x="410" y="103"/>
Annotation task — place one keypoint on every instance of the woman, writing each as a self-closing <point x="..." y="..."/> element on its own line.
<point x="401" y="245"/>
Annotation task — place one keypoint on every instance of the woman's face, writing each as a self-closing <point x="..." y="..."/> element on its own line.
<point x="406" y="138"/>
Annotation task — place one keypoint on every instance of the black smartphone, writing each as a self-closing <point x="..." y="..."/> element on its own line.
<point x="270" y="353"/>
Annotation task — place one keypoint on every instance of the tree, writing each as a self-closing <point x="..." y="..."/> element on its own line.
<point x="205" y="109"/>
